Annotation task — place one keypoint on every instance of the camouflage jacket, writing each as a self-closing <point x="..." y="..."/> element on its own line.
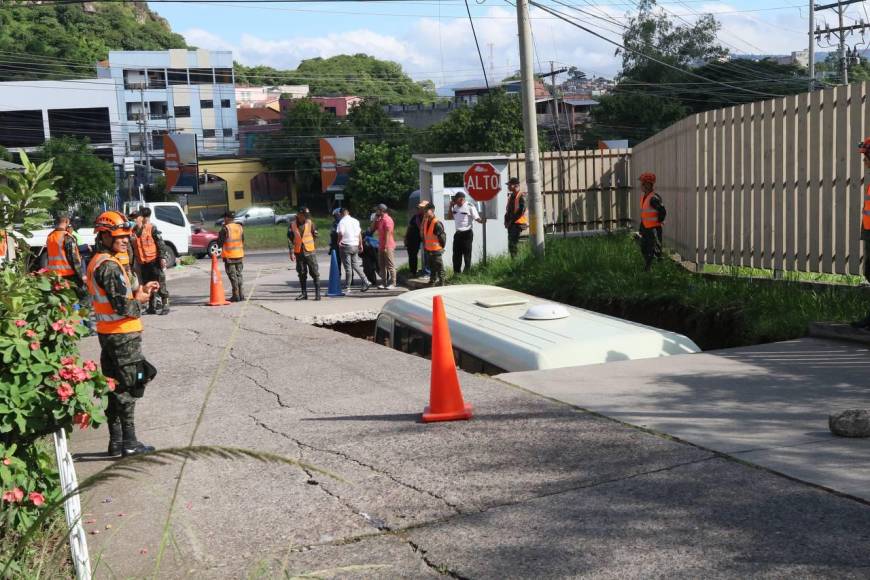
<point x="123" y="349"/>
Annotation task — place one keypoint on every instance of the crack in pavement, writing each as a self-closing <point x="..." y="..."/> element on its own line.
<point x="275" y="394"/>
<point x="439" y="568"/>
<point x="370" y="467"/>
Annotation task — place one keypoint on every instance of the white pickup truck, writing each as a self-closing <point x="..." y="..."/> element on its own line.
<point x="166" y="217"/>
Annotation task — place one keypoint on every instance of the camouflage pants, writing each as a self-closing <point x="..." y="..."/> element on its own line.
<point x="234" y="273"/>
<point x="436" y="268"/>
<point x="152" y="272"/>
<point x="650" y="245"/>
<point x="306" y="264"/>
<point x="119" y="359"/>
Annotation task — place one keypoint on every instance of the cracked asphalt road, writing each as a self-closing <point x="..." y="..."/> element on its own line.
<point x="528" y="488"/>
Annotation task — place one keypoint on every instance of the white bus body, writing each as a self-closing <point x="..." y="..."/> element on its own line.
<point x="491" y="334"/>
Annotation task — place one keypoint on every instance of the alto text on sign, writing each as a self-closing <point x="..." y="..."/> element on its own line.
<point x="482" y="181"/>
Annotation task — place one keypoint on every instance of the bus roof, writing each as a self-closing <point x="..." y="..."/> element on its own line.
<point x="488" y="322"/>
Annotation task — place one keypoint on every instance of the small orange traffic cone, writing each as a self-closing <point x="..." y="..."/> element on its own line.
<point x="217" y="298"/>
<point x="445" y="396"/>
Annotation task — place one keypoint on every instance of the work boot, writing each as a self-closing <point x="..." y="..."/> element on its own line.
<point x="317" y="289"/>
<point x="165" y="310"/>
<point x="116" y="440"/>
<point x="304" y="294"/>
<point x="133" y="446"/>
<point x="241" y="295"/>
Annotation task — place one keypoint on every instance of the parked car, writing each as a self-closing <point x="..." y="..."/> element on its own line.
<point x="203" y="242"/>
<point x="172" y="222"/>
<point x="252" y="216"/>
<point x="285" y="218"/>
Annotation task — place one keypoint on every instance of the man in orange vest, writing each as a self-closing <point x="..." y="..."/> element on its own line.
<point x="116" y="300"/>
<point x="150" y="251"/>
<point x="652" y="216"/>
<point x="4" y="246"/>
<point x="232" y="241"/>
<point x="434" y="240"/>
<point x="515" y="219"/>
<point x="864" y="149"/>
<point x="63" y="255"/>
<point x="301" y="236"/>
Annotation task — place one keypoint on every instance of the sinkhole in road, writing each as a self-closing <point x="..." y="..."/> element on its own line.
<point x="364" y="329"/>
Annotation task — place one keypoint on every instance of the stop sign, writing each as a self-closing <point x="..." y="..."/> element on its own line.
<point x="482" y="181"/>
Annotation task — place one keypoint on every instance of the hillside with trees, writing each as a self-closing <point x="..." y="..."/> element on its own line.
<point x="64" y="40"/>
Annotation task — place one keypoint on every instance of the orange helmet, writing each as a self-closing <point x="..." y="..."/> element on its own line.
<point x="864" y="146"/>
<point x="647" y="177"/>
<point x="115" y="223"/>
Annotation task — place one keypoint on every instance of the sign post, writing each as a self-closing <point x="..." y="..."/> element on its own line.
<point x="483" y="183"/>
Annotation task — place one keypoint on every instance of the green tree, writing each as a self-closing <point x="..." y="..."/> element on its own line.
<point x="494" y="124"/>
<point x="4" y="154"/>
<point x="381" y="173"/>
<point x="369" y="122"/>
<point x="86" y="181"/>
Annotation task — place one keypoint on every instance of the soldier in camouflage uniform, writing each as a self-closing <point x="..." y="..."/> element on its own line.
<point x="151" y="254"/>
<point x="301" y="236"/>
<point x="232" y="241"/>
<point x="116" y="303"/>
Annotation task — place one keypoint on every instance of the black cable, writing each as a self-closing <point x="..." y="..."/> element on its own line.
<point x="479" y="54"/>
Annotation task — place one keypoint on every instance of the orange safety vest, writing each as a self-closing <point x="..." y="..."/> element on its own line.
<point x="3" y="244"/>
<point x="431" y="243"/>
<point x="146" y="248"/>
<point x="233" y="248"/>
<point x="124" y="258"/>
<point x="57" y="260"/>
<point x="865" y="212"/>
<point x="523" y="219"/>
<point x="649" y="216"/>
<point x="305" y="241"/>
<point x="108" y="321"/>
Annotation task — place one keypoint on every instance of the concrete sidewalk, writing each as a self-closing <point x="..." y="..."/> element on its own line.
<point x="528" y="488"/>
<point x="766" y="404"/>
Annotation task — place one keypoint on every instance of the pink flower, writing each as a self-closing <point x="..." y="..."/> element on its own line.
<point x="68" y="360"/>
<point x="110" y="383"/>
<point x="65" y="391"/>
<point x="83" y="420"/>
<point x="90" y="365"/>
<point x="29" y="333"/>
<point x="7" y="461"/>
<point x="37" y="498"/>
<point x="79" y="375"/>
<point x="57" y="287"/>
<point x="15" y="495"/>
<point x="54" y="378"/>
<point x="56" y="326"/>
<point x="42" y="271"/>
<point x="20" y="323"/>
<point x="69" y="330"/>
<point x="66" y="374"/>
<point x="34" y="345"/>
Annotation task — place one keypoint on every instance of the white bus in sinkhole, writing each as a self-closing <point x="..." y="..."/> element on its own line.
<point x="496" y="330"/>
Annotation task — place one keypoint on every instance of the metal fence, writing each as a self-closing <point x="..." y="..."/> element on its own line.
<point x="776" y="184"/>
<point x="583" y="190"/>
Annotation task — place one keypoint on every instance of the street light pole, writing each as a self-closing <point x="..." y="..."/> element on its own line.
<point x="530" y="129"/>
<point x="811" y="65"/>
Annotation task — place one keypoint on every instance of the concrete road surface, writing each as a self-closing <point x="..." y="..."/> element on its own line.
<point x="530" y="487"/>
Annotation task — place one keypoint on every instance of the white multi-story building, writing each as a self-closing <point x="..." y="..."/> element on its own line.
<point x="174" y="90"/>
<point x="31" y="112"/>
<point x="266" y="96"/>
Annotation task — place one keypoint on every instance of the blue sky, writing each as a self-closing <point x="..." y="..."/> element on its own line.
<point x="432" y="39"/>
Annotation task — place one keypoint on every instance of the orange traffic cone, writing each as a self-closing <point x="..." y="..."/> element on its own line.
<point x="217" y="298"/>
<point x="445" y="396"/>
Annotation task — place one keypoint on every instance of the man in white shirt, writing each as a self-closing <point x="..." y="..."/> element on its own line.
<point x="464" y="216"/>
<point x="350" y="245"/>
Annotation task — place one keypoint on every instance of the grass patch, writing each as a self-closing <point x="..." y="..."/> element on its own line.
<point x="761" y="273"/>
<point x="605" y="274"/>
<point x="275" y="237"/>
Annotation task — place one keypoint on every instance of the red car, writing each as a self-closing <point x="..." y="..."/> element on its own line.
<point x="203" y="242"/>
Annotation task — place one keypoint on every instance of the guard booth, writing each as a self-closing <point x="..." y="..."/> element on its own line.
<point x="434" y="168"/>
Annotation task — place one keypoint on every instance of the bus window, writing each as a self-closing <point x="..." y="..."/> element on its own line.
<point x="412" y="341"/>
<point x="382" y="331"/>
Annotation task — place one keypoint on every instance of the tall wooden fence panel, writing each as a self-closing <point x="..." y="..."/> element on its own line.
<point x="775" y="184"/>
<point x="583" y="190"/>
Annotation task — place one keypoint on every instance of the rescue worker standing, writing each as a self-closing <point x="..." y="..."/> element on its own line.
<point x="464" y="216"/>
<point x="652" y="216"/>
<point x="515" y="219"/>
<point x="864" y="149"/>
<point x="301" y="234"/>
<point x="151" y="253"/>
<point x="116" y="299"/>
<point x="63" y="254"/>
<point x="413" y="238"/>
<point x="434" y="240"/>
<point x="232" y="241"/>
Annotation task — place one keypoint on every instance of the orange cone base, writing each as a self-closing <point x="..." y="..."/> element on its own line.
<point x="224" y="303"/>
<point x="464" y="414"/>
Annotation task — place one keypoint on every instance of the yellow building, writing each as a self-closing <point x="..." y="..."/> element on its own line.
<point x="239" y="182"/>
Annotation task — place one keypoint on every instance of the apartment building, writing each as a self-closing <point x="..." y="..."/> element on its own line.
<point x="269" y="97"/>
<point x="174" y="90"/>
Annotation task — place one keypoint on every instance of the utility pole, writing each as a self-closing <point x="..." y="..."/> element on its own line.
<point x="530" y="129"/>
<point x="143" y="131"/>
<point x="840" y="32"/>
<point x="811" y="64"/>
<point x="555" y="107"/>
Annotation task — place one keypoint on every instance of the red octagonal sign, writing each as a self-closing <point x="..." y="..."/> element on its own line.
<point x="482" y="181"/>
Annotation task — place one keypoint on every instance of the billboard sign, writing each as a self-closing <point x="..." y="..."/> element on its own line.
<point x="182" y="169"/>
<point x="336" y="156"/>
